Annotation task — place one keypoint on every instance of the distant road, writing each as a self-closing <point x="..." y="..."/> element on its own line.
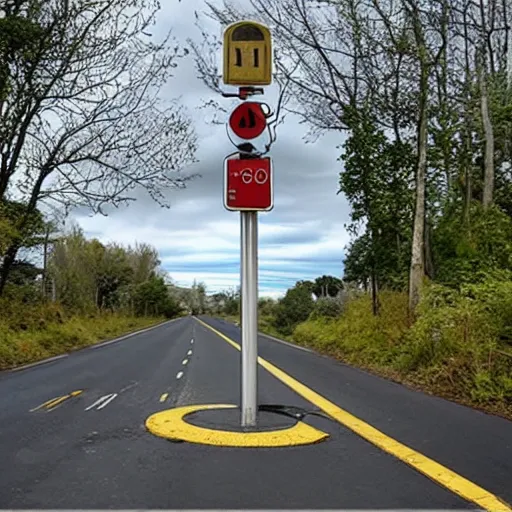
<point x="73" y="433"/>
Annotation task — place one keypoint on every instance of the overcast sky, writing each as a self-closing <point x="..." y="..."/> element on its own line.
<point x="301" y="238"/>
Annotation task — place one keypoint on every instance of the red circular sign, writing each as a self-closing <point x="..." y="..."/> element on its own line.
<point x="248" y="120"/>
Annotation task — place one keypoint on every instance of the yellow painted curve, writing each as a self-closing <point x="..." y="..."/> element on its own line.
<point x="429" y="467"/>
<point x="171" y="424"/>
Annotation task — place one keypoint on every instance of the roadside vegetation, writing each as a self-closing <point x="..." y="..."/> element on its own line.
<point x="85" y="292"/>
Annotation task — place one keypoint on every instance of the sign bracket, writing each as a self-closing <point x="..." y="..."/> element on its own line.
<point x="243" y="93"/>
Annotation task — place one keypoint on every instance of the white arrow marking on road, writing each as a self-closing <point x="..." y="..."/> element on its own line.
<point x="104" y="404"/>
<point x="104" y="400"/>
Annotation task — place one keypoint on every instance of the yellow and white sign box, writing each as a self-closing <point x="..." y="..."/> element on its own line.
<point x="247" y="54"/>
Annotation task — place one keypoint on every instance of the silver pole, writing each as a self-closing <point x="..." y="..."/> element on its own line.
<point x="249" y="305"/>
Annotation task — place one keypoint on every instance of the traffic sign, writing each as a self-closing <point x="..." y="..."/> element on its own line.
<point x="247" y="54"/>
<point x="248" y="120"/>
<point x="248" y="184"/>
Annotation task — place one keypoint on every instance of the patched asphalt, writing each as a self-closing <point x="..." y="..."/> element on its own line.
<point x="79" y="456"/>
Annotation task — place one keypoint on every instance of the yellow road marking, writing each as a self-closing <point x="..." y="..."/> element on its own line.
<point x="432" y="469"/>
<point x="163" y="398"/>
<point x="172" y="425"/>
<point x="44" y="404"/>
<point x="50" y="404"/>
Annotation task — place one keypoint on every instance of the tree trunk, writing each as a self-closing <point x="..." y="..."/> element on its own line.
<point x="4" y="181"/>
<point x="429" y="261"/>
<point x="468" y="129"/>
<point x="489" y="140"/>
<point x="45" y="261"/>
<point x="9" y="258"/>
<point x="375" y="295"/>
<point x="417" y="269"/>
<point x="468" y="186"/>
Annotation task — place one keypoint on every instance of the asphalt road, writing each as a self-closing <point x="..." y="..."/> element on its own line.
<point x="93" y="450"/>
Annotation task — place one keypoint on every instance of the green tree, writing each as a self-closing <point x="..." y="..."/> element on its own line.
<point x="294" y="308"/>
<point x="375" y="180"/>
<point x="327" y="286"/>
<point x="74" y="271"/>
<point x="144" y="261"/>
<point x="152" y="298"/>
<point x="113" y="273"/>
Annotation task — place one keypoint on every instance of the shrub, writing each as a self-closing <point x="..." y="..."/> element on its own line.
<point x="327" y="307"/>
<point x="293" y="308"/>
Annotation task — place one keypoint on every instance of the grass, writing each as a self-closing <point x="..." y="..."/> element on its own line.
<point x="44" y="331"/>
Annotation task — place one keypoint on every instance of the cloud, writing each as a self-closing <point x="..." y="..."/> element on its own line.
<point x="301" y="238"/>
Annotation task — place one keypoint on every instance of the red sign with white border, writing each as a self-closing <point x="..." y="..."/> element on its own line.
<point x="248" y="184"/>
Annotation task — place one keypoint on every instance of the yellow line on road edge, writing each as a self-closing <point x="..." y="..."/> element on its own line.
<point x="432" y="469"/>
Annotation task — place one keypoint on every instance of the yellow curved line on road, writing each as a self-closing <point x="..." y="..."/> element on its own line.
<point x="429" y="467"/>
<point x="172" y="425"/>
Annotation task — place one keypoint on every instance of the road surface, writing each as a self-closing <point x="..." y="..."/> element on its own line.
<point x="89" y="447"/>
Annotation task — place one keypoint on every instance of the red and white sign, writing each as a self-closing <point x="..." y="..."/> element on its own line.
<point x="248" y="184"/>
<point x="248" y="120"/>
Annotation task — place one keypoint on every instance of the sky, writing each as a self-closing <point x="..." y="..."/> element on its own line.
<point x="303" y="237"/>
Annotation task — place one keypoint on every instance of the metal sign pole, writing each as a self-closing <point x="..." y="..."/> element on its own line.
<point x="249" y="306"/>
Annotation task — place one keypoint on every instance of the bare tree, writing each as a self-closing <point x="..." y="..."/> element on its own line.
<point x="83" y="122"/>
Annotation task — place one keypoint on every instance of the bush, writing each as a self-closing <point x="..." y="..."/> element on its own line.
<point x="293" y="308"/>
<point x="327" y="307"/>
